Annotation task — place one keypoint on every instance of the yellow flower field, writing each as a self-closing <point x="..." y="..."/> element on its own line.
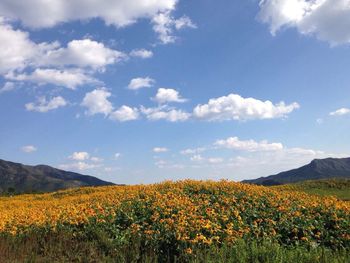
<point x="186" y="213"/>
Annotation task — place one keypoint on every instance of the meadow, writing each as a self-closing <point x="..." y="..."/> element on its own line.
<point x="186" y="221"/>
<point x="338" y="187"/>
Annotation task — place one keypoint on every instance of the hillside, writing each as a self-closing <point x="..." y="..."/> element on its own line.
<point x="316" y="170"/>
<point x="41" y="178"/>
<point x="339" y="188"/>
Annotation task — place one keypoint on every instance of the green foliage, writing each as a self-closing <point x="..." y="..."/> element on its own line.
<point x="94" y="244"/>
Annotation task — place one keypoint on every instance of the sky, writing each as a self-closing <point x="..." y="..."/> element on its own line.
<point x="141" y="91"/>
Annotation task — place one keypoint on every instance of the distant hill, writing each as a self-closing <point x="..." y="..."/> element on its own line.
<point x="19" y="178"/>
<point x="317" y="169"/>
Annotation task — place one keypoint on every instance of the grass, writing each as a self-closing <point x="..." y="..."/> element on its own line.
<point x="340" y="188"/>
<point x="67" y="245"/>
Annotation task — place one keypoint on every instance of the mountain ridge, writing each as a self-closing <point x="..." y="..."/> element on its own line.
<point x="317" y="169"/>
<point x="23" y="178"/>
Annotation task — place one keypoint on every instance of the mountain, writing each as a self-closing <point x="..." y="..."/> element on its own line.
<point x="317" y="169"/>
<point x="41" y="178"/>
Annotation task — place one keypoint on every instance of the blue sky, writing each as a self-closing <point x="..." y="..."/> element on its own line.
<point x="146" y="91"/>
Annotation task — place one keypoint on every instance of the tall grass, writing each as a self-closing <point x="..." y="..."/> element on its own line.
<point x="95" y="245"/>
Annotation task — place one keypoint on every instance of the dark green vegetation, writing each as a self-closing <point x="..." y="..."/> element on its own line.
<point x="18" y="178"/>
<point x="339" y="188"/>
<point x="96" y="244"/>
<point x="316" y="170"/>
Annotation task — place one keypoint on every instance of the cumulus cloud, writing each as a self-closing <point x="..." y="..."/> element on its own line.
<point x="41" y="13"/>
<point x="164" y="25"/>
<point x="29" y="149"/>
<point x="235" y="107"/>
<point x="43" y="105"/>
<point x="70" y="79"/>
<point x="139" y="83"/>
<point x="8" y="86"/>
<point x="97" y="102"/>
<point x="168" y="95"/>
<point x="80" y="156"/>
<point x="160" y="149"/>
<point x="231" y="107"/>
<point x="81" y="53"/>
<point x="16" y="49"/>
<point x="50" y="63"/>
<point x="125" y="113"/>
<point x="165" y="113"/>
<point x="340" y="112"/>
<point x="18" y="52"/>
<point x="141" y="53"/>
<point x="249" y="145"/>
<point x="328" y="20"/>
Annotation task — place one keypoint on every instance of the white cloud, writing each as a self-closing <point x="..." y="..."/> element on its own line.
<point x="141" y="53"/>
<point x="64" y="78"/>
<point x="340" y="112"/>
<point x="211" y="160"/>
<point x="164" y="25"/>
<point x="29" y="149"/>
<point x="80" y="156"/>
<point x="80" y="166"/>
<point x="97" y="102"/>
<point x="42" y="105"/>
<point x="235" y="107"/>
<point x="139" y="83"/>
<point x="197" y="158"/>
<point x="160" y="149"/>
<point x="15" y="48"/>
<point x="96" y="159"/>
<point x="83" y="157"/>
<point x="81" y="53"/>
<point x="125" y="113"/>
<point x="249" y="145"/>
<point x="18" y="52"/>
<point x="42" y="13"/>
<point x="8" y="86"/>
<point x="165" y="113"/>
<point x="192" y="151"/>
<point x="328" y="20"/>
<point x="184" y="22"/>
<point x="161" y="164"/>
<point x="168" y="95"/>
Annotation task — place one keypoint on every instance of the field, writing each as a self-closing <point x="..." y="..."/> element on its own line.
<point x="339" y="188"/>
<point x="187" y="221"/>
